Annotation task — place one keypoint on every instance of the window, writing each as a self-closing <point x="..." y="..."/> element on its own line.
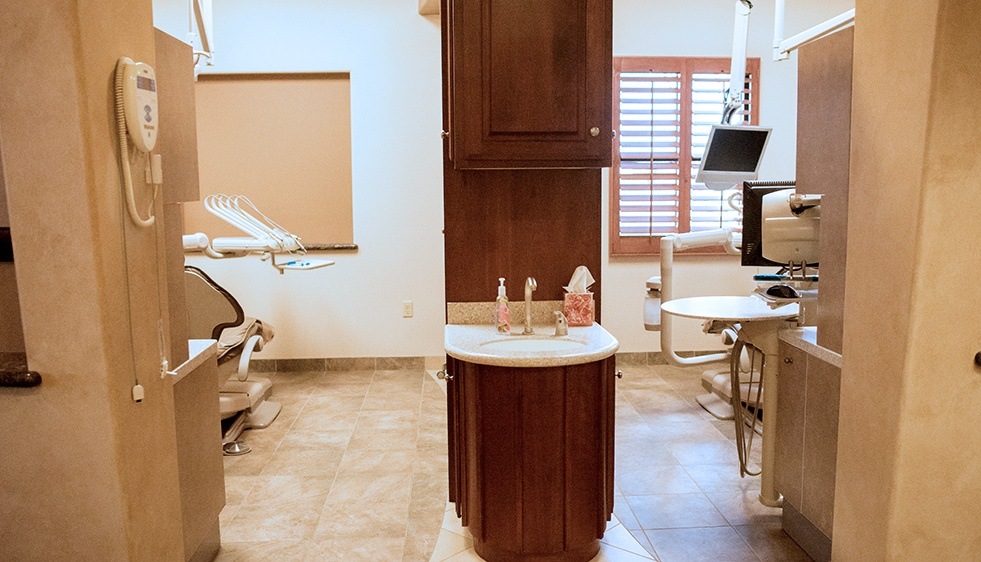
<point x="664" y="108"/>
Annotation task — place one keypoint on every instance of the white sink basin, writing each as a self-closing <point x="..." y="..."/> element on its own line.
<point x="532" y="345"/>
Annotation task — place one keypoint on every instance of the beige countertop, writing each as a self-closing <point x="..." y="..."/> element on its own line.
<point x="199" y="351"/>
<point x="805" y="339"/>
<point x="470" y="343"/>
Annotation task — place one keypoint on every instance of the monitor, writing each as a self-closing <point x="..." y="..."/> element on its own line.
<point x="732" y="155"/>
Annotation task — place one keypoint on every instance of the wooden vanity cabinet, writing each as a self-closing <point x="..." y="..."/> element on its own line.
<point x="531" y="457"/>
<point x="528" y="84"/>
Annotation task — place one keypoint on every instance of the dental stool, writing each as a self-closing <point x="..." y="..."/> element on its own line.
<point x="212" y="312"/>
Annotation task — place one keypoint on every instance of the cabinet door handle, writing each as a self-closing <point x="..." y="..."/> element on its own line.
<point x="788" y="360"/>
<point x="618" y="374"/>
<point x="444" y="374"/>
<point x="594" y="132"/>
<point x="444" y="134"/>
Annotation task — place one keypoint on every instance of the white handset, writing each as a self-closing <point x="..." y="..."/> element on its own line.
<point x="140" y="104"/>
<point x="136" y="113"/>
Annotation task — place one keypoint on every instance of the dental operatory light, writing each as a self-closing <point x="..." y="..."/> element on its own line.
<point x="265" y="237"/>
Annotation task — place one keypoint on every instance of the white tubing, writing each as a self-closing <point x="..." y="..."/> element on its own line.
<point x="667" y="348"/>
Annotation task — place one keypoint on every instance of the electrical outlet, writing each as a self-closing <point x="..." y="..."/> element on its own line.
<point x="406" y="309"/>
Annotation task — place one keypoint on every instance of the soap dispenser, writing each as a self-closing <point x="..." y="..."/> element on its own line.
<point x="502" y="313"/>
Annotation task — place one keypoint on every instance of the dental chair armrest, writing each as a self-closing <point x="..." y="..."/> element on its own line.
<point x="252" y="345"/>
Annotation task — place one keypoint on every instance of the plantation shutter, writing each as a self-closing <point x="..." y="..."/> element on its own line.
<point x="665" y="107"/>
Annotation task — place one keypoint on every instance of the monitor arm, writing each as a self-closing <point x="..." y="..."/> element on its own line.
<point x="740" y="31"/>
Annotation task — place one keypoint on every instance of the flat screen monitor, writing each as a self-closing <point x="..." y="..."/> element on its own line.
<point x="752" y="243"/>
<point x="732" y="155"/>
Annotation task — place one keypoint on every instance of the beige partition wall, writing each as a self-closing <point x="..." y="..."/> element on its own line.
<point x="908" y="474"/>
<point x="284" y="140"/>
<point x="87" y="473"/>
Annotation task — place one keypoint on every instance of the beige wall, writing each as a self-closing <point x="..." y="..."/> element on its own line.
<point x="908" y="469"/>
<point x="291" y="158"/>
<point x="88" y="473"/>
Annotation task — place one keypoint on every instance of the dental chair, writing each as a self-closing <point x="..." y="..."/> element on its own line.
<point x="212" y="312"/>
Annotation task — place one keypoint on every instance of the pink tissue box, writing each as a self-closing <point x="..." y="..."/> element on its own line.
<point x="579" y="309"/>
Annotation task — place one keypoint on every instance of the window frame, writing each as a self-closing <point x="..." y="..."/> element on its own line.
<point x="686" y="66"/>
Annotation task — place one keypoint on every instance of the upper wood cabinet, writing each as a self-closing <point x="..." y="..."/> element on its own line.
<point x="528" y="84"/>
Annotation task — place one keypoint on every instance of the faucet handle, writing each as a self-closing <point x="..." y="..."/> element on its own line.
<point x="561" y="324"/>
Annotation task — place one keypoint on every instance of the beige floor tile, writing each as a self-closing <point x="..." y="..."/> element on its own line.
<point x="304" y="461"/>
<point x="705" y="544"/>
<point x="362" y="460"/>
<point x="622" y="511"/>
<point x="389" y="400"/>
<point x="448" y="544"/>
<point x="263" y="551"/>
<point x="227" y="515"/>
<point x="705" y="452"/>
<point x="770" y="542"/>
<point x="279" y="489"/>
<point x="634" y="455"/>
<point x="675" y="511"/>
<point x="314" y="438"/>
<point x="389" y="419"/>
<point x="744" y="508"/>
<point x="671" y="479"/>
<point x="294" y="519"/>
<point x="621" y="538"/>
<point x="357" y="550"/>
<point x="250" y="464"/>
<point x="454" y="524"/>
<point x="469" y="555"/>
<point x="721" y="478"/>
<point x="610" y="553"/>
<point x="237" y="487"/>
<point x="384" y="439"/>
<point x="362" y="520"/>
<point x="370" y="487"/>
<point x="345" y="377"/>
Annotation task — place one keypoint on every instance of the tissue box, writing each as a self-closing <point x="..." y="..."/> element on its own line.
<point x="579" y="309"/>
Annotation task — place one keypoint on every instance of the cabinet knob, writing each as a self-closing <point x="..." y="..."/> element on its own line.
<point x="444" y="134"/>
<point x="595" y="131"/>
<point x="977" y="359"/>
<point x="788" y="360"/>
<point x="618" y="374"/>
<point x="444" y="374"/>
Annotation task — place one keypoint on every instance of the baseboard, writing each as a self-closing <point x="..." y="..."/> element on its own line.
<point x="332" y="364"/>
<point x="816" y="544"/>
<point x="655" y="357"/>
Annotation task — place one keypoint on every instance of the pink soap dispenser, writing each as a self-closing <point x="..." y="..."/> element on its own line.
<point x="502" y="314"/>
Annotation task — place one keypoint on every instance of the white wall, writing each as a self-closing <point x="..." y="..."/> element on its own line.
<point x="353" y="309"/>
<point x="393" y="54"/>
<point x="703" y="28"/>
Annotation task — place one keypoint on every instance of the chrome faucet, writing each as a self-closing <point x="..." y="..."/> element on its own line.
<point x="530" y="285"/>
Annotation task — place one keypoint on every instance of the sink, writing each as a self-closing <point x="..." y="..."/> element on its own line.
<point x="484" y="345"/>
<point x="532" y="345"/>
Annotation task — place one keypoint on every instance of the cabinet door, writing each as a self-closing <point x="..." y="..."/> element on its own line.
<point x="530" y="83"/>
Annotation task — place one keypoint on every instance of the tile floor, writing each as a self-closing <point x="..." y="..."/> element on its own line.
<point x="355" y="469"/>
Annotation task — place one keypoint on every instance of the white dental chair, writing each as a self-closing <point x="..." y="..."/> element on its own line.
<point x="212" y="312"/>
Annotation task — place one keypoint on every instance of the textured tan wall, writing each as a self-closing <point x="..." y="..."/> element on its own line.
<point x="284" y="140"/>
<point x="908" y="470"/>
<point x="96" y="474"/>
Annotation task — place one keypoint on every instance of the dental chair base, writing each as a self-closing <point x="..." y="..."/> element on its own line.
<point x="246" y="402"/>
